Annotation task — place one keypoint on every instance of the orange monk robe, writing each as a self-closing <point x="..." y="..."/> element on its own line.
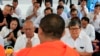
<point x="55" y="48"/>
<point x="2" y="51"/>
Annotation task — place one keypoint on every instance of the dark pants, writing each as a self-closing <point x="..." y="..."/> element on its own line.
<point x="96" y="53"/>
<point x="40" y="1"/>
<point x="97" y="36"/>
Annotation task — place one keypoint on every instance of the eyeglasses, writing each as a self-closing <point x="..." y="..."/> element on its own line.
<point x="74" y="28"/>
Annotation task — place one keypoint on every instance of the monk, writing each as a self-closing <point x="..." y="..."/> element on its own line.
<point x="2" y="51"/>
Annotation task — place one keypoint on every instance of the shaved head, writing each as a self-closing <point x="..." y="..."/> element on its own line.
<point x="29" y="28"/>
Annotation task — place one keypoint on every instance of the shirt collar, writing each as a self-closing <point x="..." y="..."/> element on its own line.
<point x="35" y="35"/>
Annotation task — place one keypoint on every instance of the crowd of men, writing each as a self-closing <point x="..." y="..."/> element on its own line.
<point x="62" y="31"/>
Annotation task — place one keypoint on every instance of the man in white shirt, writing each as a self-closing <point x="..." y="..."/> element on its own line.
<point x="48" y="4"/>
<point x="88" y="28"/>
<point x="82" y="8"/>
<point x="73" y="14"/>
<point x="95" y="20"/>
<point x="33" y="12"/>
<point x="29" y="39"/>
<point x="77" y="40"/>
<point x="47" y="11"/>
<point x="66" y="9"/>
<point x="17" y="10"/>
<point x="60" y="11"/>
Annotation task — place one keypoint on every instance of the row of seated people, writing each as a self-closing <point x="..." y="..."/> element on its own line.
<point x="9" y="32"/>
<point x="74" y="36"/>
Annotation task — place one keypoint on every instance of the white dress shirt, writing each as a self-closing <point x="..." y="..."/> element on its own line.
<point x="30" y="12"/>
<point x="90" y="31"/>
<point x="37" y="21"/>
<point x="82" y="43"/>
<point x="64" y="16"/>
<point x="18" y="12"/>
<point x="15" y="15"/>
<point x="85" y="8"/>
<point x="67" y="22"/>
<point x="22" y="40"/>
<point x="95" y="23"/>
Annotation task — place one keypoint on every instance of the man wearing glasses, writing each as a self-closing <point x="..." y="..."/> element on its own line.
<point x="77" y="39"/>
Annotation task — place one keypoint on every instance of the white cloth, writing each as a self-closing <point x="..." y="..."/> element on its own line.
<point x="15" y="15"/>
<point x="37" y="21"/>
<point x="22" y="40"/>
<point x="1" y="41"/>
<point x="66" y="9"/>
<point x="67" y="22"/>
<point x="95" y="23"/>
<point x="18" y="12"/>
<point x="30" y="11"/>
<point x="64" y="16"/>
<point x="19" y="33"/>
<point x="5" y="31"/>
<point x="90" y="31"/>
<point x="80" y="8"/>
<point x="82" y="43"/>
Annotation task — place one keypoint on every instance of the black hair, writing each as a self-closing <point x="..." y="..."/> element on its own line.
<point x="72" y="10"/>
<point x="18" y="25"/>
<point x="74" y="21"/>
<point x="15" y="1"/>
<point x="60" y="7"/>
<point x="61" y="1"/>
<point x="83" y="0"/>
<point x="48" y="8"/>
<point x="71" y="5"/>
<point x="85" y="18"/>
<point x="97" y="5"/>
<point x="52" y="25"/>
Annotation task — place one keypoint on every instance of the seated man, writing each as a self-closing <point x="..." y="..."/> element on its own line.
<point x="88" y="28"/>
<point x="95" y="20"/>
<point x="47" y="11"/>
<point x="51" y="29"/>
<point x="60" y="11"/>
<point x="5" y="16"/>
<point x="76" y="39"/>
<point x="29" y="39"/>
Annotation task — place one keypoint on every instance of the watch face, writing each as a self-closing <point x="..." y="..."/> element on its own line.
<point x="82" y="47"/>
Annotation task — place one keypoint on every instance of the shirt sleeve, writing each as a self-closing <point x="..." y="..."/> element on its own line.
<point x="88" y="45"/>
<point x="2" y="32"/>
<point x="92" y="33"/>
<point x="18" y="44"/>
